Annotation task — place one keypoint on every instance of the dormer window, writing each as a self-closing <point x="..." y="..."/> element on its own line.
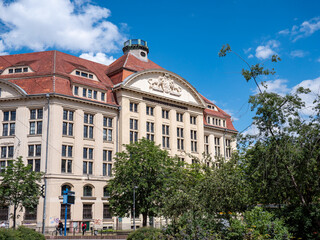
<point x="85" y="74"/>
<point x="18" y="70"/>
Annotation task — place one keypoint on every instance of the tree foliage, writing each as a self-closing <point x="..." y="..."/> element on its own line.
<point x="145" y="166"/>
<point x="19" y="186"/>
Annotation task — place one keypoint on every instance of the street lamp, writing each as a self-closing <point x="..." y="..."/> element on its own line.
<point x="134" y="207"/>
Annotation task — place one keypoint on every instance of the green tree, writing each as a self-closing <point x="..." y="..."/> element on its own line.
<point x="19" y="186"/>
<point x="145" y="167"/>
<point x="282" y="160"/>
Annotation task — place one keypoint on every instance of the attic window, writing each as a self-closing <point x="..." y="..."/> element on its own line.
<point x="78" y="73"/>
<point x="18" y="70"/>
<point x="91" y="76"/>
<point x="84" y="74"/>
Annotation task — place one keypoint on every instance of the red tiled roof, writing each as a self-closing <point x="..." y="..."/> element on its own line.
<point x="129" y="61"/>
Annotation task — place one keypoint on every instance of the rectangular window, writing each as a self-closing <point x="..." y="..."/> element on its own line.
<point x="208" y="120"/>
<point x="106" y="211"/>
<point x="228" y="148"/>
<point x="87" y="211"/>
<point x="133" y="130"/>
<point x="7" y="152"/>
<point x="149" y="110"/>
<point x="217" y="146"/>
<point x="30" y="214"/>
<point x="206" y="144"/>
<point x="107" y="169"/>
<point x="165" y="114"/>
<point x="107" y="129"/>
<point x="180" y="139"/>
<point x="150" y="131"/>
<point x="84" y="92"/>
<point x="35" y="121"/>
<point x="89" y="93"/>
<point x="107" y="155"/>
<point x="88" y="163"/>
<point x="103" y="96"/>
<point x="34" y="154"/>
<point x="95" y="94"/>
<point x="9" y="125"/>
<point x="88" y="126"/>
<point x="193" y="120"/>
<point x="63" y="211"/>
<point x="67" y="125"/>
<point x="193" y="135"/>
<point x="66" y="164"/>
<point x="133" y="107"/>
<point x="76" y="90"/>
<point x="4" y="213"/>
<point x="179" y="117"/>
<point x="165" y="136"/>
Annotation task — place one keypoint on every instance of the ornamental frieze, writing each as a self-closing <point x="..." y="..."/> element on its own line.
<point x="164" y="84"/>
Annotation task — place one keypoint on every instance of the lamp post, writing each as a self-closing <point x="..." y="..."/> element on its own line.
<point x="134" y="207"/>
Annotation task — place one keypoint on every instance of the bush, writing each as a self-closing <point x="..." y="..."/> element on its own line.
<point x="22" y="233"/>
<point x="146" y="233"/>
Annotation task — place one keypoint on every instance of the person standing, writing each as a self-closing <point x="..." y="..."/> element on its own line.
<point x="84" y="228"/>
<point x="60" y="227"/>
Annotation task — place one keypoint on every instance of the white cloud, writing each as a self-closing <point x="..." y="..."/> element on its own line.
<point x="247" y="50"/>
<point x="252" y="130"/>
<point x="314" y="86"/>
<point x="231" y="113"/>
<point x="250" y="56"/>
<point x="99" y="58"/>
<point x="2" y="49"/>
<point x="267" y="50"/>
<point x="284" y="32"/>
<point x="298" y="53"/>
<point x="278" y="86"/>
<point x="305" y="29"/>
<point x="63" y="24"/>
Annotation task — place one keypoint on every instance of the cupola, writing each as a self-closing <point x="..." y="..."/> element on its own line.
<point x="137" y="47"/>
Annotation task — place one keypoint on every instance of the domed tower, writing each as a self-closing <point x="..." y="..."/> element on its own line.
<point x="137" y="47"/>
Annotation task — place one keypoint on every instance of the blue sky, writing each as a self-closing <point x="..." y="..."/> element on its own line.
<point x="183" y="37"/>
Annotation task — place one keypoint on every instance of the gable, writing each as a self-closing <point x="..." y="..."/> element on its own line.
<point x="9" y="90"/>
<point x="164" y="84"/>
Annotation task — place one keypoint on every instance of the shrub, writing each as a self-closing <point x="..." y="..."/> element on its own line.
<point x="22" y="233"/>
<point x="146" y="233"/>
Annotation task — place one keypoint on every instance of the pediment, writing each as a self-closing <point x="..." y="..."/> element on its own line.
<point x="10" y="90"/>
<point x="164" y="84"/>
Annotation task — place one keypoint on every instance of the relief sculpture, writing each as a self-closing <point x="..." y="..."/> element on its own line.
<point x="164" y="84"/>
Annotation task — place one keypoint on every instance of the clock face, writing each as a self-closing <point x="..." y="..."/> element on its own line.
<point x="143" y="54"/>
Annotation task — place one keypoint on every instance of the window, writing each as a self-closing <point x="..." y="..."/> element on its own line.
<point x="88" y="126"/>
<point x="217" y="146"/>
<point x="90" y="76"/>
<point x="106" y="211"/>
<point x="6" y="156"/>
<point x="34" y="155"/>
<point x="165" y="114"/>
<point x="206" y="144"/>
<point x="107" y="167"/>
<point x="193" y="135"/>
<point x="89" y="93"/>
<point x="9" y="125"/>
<point x="193" y="120"/>
<point x="149" y="111"/>
<point x="66" y="161"/>
<point x="95" y="94"/>
<point x="208" y="120"/>
<point x="76" y="90"/>
<point x="133" y="130"/>
<point x="106" y="192"/>
<point x="150" y="131"/>
<point x="224" y="123"/>
<point x="30" y="214"/>
<point x="103" y="96"/>
<point x="87" y="211"/>
<point x="64" y="188"/>
<point x="107" y="129"/>
<point x="63" y="211"/>
<point x="67" y="125"/>
<point x="87" y="191"/>
<point x="133" y="107"/>
<point x="228" y="148"/>
<point x="4" y="213"/>
<point x="0" y="91"/>
<point x="83" y="74"/>
<point x="87" y="163"/>
<point x="165" y="136"/>
<point x="36" y="116"/>
<point x="179" y="117"/>
<point x="180" y="140"/>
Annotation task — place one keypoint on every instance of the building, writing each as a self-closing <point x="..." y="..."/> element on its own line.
<point x="68" y="116"/>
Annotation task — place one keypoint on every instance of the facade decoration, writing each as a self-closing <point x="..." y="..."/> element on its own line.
<point x="164" y="84"/>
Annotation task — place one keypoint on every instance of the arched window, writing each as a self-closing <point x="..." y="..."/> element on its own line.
<point x="106" y="192"/>
<point x="87" y="191"/>
<point x="64" y="188"/>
